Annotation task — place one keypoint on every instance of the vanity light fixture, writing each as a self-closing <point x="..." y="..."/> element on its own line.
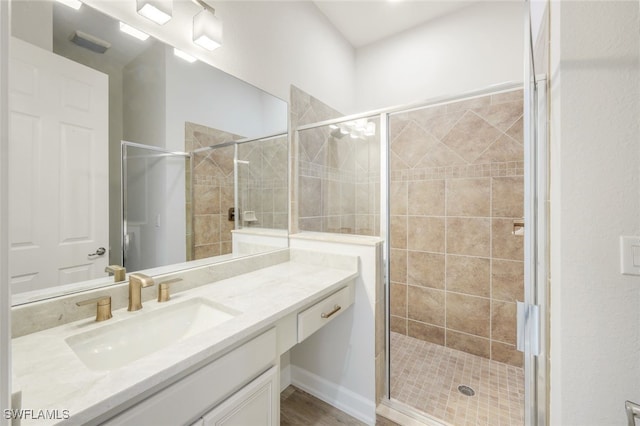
<point x="74" y="4"/>
<point x="159" y="11"/>
<point x="182" y="55"/>
<point x="207" y="28"/>
<point x="133" y="31"/>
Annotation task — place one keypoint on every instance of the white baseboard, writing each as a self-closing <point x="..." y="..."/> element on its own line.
<point x="285" y="377"/>
<point x="343" y="399"/>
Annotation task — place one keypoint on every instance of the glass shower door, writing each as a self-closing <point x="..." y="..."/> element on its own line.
<point x="456" y="200"/>
<point x="154" y="203"/>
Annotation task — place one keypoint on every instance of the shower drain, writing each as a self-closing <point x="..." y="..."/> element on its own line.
<point x="466" y="390"/>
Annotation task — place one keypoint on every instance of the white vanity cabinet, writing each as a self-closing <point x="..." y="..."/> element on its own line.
<point x="242" y="387"/>
<point x="242" y="379"/>
<point x="256" y="404"/>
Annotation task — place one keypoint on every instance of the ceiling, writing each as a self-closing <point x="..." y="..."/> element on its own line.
<point x="363" y="22"/>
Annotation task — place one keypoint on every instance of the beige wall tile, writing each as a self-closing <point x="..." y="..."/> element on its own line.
<point x="470" y="103"/>
<point x="439" y="123"/>
<point x="507" y="280"/>
<point x="313" y="224"/>
<point x="226" y="247"/>
<point x="398" y="265"/>
<point x="405" y="146"/>
<point x="505" y="245"/>
<point x="427" y="234"/>
<point x="426" y="332"/>
<point x="503" y="149"/>
<point x="206" y="229"/>
<point x="511" y="96"/>
<point x="468" y="236"/>
<point x="226" y="198"/>
<point x="501" y="115"/>
<point x="426" y="198"/>
<point x="467" y="343"/>
<point x="398" y="198"/>
<point x="310" y="197"/>
<point x="471" y="136"/>
<point x="398" y="325"/>
<point x="426" y="269"/>
<point x="398" y="231"/>
<point x="503" y="322"/>
<point x="203" y="252"/>
<point x="398" y="298"/>
<point x="469" y="197"/>
<point x="426" y="305"/>
<point x="508" y="197"/>
<point x="468" y="314"/>
<point x="469" y="275"/>
<point x="508" y="354"/>
<point x="206" y="199"/>
<point x="517" y="131"/>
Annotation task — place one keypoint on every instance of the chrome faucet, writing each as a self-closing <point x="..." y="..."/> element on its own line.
<point x="119" y="273"/>
<point x="136" y="282"/>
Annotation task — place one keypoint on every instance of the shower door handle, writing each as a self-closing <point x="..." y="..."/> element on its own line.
<point x="528" y="328"/>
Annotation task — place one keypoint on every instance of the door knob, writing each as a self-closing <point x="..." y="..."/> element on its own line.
<point x="99" y="252"/>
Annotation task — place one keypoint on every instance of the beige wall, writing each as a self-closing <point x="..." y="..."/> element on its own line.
<point x="456" y="187"/>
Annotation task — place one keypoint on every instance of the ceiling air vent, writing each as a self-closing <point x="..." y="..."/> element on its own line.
<point x="90" y="42"/>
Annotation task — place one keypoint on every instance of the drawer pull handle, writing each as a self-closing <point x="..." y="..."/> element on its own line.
<point x="335" y="309"/>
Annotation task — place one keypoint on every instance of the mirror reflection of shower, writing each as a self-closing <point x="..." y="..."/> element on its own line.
<point x="147" y="176"/>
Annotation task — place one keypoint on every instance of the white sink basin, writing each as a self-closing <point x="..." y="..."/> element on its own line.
<point x="117" y="344"/>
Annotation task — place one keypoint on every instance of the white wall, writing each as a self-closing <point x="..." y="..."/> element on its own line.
<point x="595" y="198"/>
<point x="268" y="44"/>
<point x="470" y="49"/>
<point x="5" y="288"/>
<point x="337" y="363"/>
<point x="207" y="96"/>
<point x="33" y="22"/>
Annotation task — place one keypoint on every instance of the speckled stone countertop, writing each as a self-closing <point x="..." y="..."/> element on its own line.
<point x="52" y="377"/>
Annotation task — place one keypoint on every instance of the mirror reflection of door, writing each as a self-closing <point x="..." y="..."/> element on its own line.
<point x="58" y="173"/>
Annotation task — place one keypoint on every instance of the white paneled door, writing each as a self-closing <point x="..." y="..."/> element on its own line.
<point x="58" y="174"/>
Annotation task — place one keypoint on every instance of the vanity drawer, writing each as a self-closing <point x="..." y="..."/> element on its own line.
<point x="329" y="308"/>
<point x="190" y="397"/>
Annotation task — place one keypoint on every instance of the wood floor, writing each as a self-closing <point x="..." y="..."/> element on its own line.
<point x="298" y="408"/>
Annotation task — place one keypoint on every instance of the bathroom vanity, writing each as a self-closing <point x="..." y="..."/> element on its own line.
<point x="208" y="356"/>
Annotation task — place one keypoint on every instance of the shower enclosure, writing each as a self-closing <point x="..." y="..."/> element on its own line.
<point x="150" y="194"/>
<point x="456" y="197"/>
<point x="444" y="184"/>
<point x="228" y="185"/>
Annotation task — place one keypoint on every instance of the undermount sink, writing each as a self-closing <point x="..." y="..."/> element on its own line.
<point x="115" y="345"/>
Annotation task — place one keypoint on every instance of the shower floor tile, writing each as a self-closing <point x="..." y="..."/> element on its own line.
<point x="426" y="376"/>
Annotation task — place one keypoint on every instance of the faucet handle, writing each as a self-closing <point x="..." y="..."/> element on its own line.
<point x="119" y="272"/>
<point x="142" y="279"/>
<point x="103" y="308"/>
<point x="163" y="289"/>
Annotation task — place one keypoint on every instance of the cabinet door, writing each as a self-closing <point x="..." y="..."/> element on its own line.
<point x="257" y="404"/>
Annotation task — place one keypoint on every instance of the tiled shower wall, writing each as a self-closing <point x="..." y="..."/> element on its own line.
<point x="335" y="186"/>
<point x="339" y="182"/>
<point x="262" y="182"/>
<point x="210" y="232"/>
<point x="303" y="109"/>
<point x="456" y="188"/>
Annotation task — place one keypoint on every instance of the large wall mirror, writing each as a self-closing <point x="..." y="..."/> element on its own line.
<point x="127" y="150"/>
